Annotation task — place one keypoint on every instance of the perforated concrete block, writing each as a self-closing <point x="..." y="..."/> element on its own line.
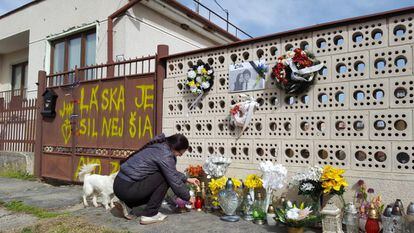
<point x="173" y="107"/>
<point x="394" y="124"/>
<point x="180" y="87"/>
<point x="240" y="150"/>
<point x="256" y="127"/>
<point x="216" y="147"/>
<point x="391" y="61"/>
<point x="371" y="156"/>
<point x="221" y="81"/>
<point x="268" y="100"/>
<point x="267" y="51"/>
<point x="401" y="29"/>
<point x="403" y="157"/>
<point x="325" y="74"/>
<point x="195" y="150"/>
<point x="402" y="92"/>
<point x="217" y="105"/>
<point x="300" y="40"/>
<point x="169" y="83"/>
<point x="168" y="123"/>
<point x="297" y="103"/>
<point x="239" y="54"/>
<point x="353" y="125"/>
<point x="183" y="126"/>
<point x="224" y="129"/>
<point x="203" y="127"/>
<point x="330" y="41"/>
<point x="350" y="66"/>
<point x="281" y="125"/>
<point x="369" y="35"/>
<point x="331" y="96"/>
<point x="266" y="150"/>
<point x="218" y="59"/>
<point x="175" y="67"/>
<point x="193" y="60"/>
<point x="370" y="94"/>
<point x="297" y="153"/>
<point x="334" y="153"/>
<point x="313" y="125"/>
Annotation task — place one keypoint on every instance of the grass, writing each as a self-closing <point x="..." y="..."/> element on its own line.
<point x="17" y="174"/>
<point x="65" y="224"/>
<point x="19" y="206"/>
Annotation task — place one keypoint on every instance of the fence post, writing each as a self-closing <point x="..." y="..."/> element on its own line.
<point x="38" y="140"/>
<point x="160" y="73"/>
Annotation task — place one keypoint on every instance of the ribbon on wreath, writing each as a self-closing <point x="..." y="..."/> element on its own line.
<point x="296" y="72"/>
<point x="241" y="113"/>
<point x="195" y="102"/>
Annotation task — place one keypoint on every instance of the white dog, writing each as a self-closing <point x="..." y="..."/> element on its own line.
<point x="95" y="185"/>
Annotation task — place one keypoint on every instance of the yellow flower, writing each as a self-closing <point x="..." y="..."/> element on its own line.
<point x="253" y="181"/>
<point x="204" y="71"/>
<point x="191" y="83"/>
<point x="332" y="179"/>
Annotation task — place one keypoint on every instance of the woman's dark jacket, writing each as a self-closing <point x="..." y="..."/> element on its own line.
<point x="154" y="158"/>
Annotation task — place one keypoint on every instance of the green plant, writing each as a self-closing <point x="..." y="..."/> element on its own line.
<point x="19" y="206"/>
<point x="16" y="174"/>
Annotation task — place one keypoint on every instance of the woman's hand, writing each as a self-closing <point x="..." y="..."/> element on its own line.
<point x="194" y="181"/>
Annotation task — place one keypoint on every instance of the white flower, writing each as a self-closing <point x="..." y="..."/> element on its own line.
<point x="274" y="175"/>
<point x="290" y="54"/>
<point x="191" y="74"/>
<point x="312" y="173"/>
<point x="205" y="85"/>
<point x="209" y="71"/>
<point x="193" y="89"/>
<point x="198" y="79"/>
<point x="293" y="214"/>
<point x="289" y="204"/>
<point x="199" y="69"/>
<point x="307" y="187"/>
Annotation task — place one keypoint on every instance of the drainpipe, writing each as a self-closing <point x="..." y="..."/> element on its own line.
<point x="110" y="31"/>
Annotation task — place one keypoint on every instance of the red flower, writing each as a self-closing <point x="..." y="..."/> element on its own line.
<point x="235" y="110"/>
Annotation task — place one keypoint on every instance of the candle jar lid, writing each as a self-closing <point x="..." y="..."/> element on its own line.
<point x="388" y="211"/>
<point x="271" y="209"/>
<point x="396" y="210"/>
<point x="373" y="214"/>
<point x="410" y="209"/>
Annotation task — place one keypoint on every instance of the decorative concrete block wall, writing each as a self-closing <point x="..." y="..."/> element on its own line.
<point x="358" y="115"/>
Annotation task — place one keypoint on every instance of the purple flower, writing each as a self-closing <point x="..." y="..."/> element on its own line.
<point x="360" y="182"/>
<point x="360" y="195"/>
<point x="370" y="190"/>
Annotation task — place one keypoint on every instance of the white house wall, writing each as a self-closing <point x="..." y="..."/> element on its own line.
<point x="51" y="18"/>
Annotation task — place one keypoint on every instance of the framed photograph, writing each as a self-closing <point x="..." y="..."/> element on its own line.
<point x="245" y="77"/>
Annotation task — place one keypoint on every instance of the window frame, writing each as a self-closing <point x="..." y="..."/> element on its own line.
<point x="66" y="40"/>
<point x="21" y="65"/>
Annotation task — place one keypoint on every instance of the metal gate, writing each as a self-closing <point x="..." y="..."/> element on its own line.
<point x="103" y="113"/>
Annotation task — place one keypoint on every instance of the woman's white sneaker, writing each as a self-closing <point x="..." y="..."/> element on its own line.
<point x="154" y="219"/>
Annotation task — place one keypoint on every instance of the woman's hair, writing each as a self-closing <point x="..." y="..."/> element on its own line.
<point x="176" y="142"/>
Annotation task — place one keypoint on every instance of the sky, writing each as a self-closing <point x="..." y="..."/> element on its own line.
<point x="262" y="17"/>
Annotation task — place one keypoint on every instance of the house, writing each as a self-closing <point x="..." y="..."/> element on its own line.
<point x="57" y="36"/>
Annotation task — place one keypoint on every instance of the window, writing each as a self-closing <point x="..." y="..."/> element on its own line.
<point x="19" y="78"/>
<point x="75" y="50"/>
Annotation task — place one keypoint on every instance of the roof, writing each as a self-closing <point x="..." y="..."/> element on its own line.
<point x="321" y="26"/>
<point x="175" y="4"/>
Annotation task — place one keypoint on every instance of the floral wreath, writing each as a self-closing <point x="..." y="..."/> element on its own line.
<point x="295" y="71"/>
<point x="200" y="78"/>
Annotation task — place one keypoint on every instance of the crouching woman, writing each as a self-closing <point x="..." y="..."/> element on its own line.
<point x="146" y="175"/>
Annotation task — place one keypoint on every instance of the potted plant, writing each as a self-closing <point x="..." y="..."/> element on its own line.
<point x="296" y="217"/>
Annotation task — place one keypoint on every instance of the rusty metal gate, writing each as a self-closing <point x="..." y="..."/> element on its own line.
<point x="103" y="113"/>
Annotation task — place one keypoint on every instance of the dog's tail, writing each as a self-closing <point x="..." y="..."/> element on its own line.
<point x="86" y="169"/>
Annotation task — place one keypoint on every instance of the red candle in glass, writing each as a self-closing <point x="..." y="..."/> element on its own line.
<point x="198" y="203"/>
<point x="372" y="226"/>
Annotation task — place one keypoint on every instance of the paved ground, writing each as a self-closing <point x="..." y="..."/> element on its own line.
<point x="68" y="198"/>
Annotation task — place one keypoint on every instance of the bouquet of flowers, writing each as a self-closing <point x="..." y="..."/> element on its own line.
<point x="309" y="182"/>
<point x="216" y="185"/>
<point x="200" y="78"/>
<point x="365" y="197"/>
<point x="274" y="177"/>
<point x="293" y="215"/>
<point x="253" y="181"/>
<point x="194" y="171"/>
<point x="333" y="181"/>
<point x="295" y="71"/>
